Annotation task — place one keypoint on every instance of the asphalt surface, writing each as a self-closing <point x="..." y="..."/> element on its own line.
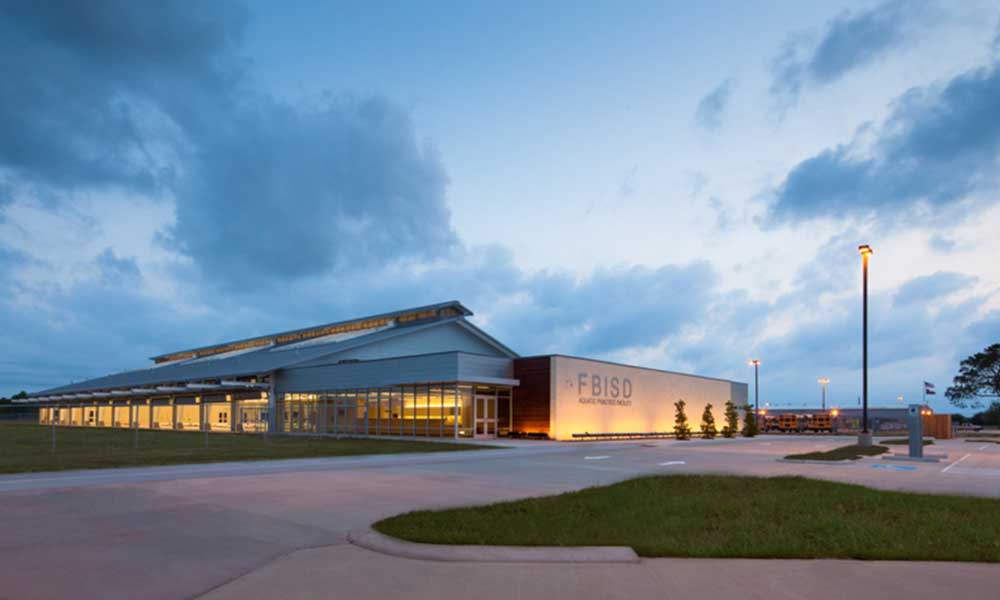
<point x="229" y="529"/>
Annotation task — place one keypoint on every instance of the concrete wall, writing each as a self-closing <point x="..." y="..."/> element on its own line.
<point x="597" y="397"/>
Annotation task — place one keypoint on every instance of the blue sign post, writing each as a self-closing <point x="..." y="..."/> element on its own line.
<point x="916" y="425"/>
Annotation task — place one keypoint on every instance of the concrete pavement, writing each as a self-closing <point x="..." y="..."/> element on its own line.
<point x="180" y="532"/>
<point x="345" y="571"/>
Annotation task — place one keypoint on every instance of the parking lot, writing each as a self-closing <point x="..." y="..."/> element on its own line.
<point x="184" y="531"/>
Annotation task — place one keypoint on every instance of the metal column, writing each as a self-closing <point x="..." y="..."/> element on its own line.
<point x="272" y="402"/>
<point x="864" y="343"/>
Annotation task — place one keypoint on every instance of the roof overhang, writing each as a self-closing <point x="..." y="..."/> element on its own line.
<point x="489" y="339"/>
<point x="245" y="384"/>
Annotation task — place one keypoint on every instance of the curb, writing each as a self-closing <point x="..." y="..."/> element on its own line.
<point x="376" y="542"/>
<point x="818" y="462"/>
<point x="927" y="458"/>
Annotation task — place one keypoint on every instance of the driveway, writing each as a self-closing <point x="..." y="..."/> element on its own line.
<point x="240" y="529"/>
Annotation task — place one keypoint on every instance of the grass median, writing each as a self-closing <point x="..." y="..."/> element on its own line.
<point x="852" y="452"/>
<point x="28" y="448"/>
<point x="727" y="517"/>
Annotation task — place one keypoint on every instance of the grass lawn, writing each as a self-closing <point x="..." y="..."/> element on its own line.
<point x="727" y="517"/>
<point x="852" y="452"/>
<point x="26" y="448"/>
<point x="905" y="442"/>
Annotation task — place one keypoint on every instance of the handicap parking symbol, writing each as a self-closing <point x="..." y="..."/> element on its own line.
<point x="894" y="467"/>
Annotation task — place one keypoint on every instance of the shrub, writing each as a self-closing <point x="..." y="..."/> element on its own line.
<point x="750" y="428"/>
<point x="732" y="420"/>
<point x="708" y="430"/>
<point x="681" y="428"/>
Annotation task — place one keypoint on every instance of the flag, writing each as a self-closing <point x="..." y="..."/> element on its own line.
<point x="929" y="388"/>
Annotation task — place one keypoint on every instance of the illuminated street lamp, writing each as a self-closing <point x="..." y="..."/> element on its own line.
<point x="864" y="438"/>
<point x="756" y="385"/>
<point x="823" y="381"/>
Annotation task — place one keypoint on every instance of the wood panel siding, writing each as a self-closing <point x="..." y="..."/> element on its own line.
<point x="532" y="397"/>
<point x="937" y="426"/>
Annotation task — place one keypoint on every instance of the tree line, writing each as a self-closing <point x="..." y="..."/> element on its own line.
<point x="977" y="385"/>
<point x="708" y="430"/>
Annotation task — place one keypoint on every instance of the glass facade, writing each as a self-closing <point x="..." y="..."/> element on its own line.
<point x="424" y="410"/>
<point x="236" y="412"/>
<point x="465" y="408"/>
<point x="449" y="410"/>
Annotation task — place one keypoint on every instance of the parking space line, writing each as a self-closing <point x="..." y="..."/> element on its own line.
<point x="672" y="462"/>
<point x="977" y="471"/>
<point x="945" y="470"/>
<point x="596" y="457"/>
<point x="984" y="446"/>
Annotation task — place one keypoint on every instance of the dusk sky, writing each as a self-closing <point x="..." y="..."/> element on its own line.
<point x="674" y="185"/>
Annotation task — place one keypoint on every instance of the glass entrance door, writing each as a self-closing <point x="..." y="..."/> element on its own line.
<point x="485" y="416"/>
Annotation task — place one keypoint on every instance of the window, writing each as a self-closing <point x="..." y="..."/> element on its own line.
<point x="223" y="418"/>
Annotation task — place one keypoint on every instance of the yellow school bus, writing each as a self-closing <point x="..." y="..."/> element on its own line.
<point x="788" y="422"/>
<point x="820" y="422"/>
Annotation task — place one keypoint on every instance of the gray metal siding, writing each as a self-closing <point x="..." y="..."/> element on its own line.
<point x="413" y="369"/>
<point x="739" y="393"/>
<point x="394" y="371"/>
<point x="449" y="337"/>
<point x="473" y="366"/>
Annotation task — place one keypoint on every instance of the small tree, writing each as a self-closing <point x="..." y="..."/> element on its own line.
<point x="681" y="428"/>
<point x="732" y="420"/>
<point x="708" y="423"/>
<point x="749" y="422"/>
<point x="978" y="379"/>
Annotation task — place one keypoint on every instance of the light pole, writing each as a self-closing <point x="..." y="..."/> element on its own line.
<point x="864" y="438"/>
<point x="756" y="386"/>
<point x="823" y="381"/>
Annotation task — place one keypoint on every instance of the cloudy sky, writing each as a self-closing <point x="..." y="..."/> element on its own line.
<point x="678" y="185"/>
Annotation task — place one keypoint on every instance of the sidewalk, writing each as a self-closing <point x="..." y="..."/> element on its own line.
<point x="347" y="571"/>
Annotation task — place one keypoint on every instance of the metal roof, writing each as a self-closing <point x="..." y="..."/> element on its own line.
<point x="260" y="360"/>
<point x="273" y="338"/>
